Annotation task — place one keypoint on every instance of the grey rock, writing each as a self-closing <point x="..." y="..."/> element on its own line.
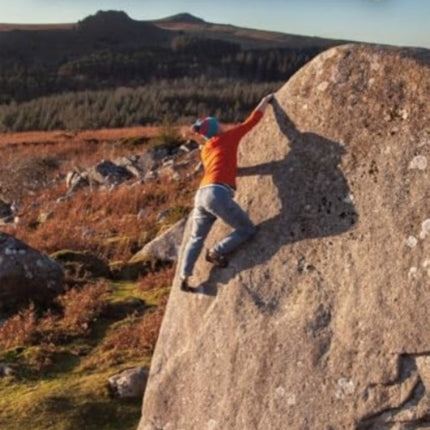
<point x="321" y="321"/>
<point x="6" y="213"/>
<point x="152" y="158"/>
<point x="164" y="247"/>
<point x="108" y="173"/>
<point x="76" y="179"/>
<point x="129" y="383"/>
<point x="6" y="370"/>
<point x="81" y="265"/>
<point x="26" y="274"/>
<point x="130" y="164"/>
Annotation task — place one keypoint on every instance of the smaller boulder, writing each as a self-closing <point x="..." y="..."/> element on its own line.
<point x="164" y="247"/>
<point x="26" y="275"/>
<point x="76" y="179"/>
<point x="152" y="158"/>
<point x="108" y="173"/>
<point x="129" y="383"/>
<point x="81" y="265"/>
<point x="130" y="164"/>
<point x="6" y="370"/>
<point x="6" y="212"/>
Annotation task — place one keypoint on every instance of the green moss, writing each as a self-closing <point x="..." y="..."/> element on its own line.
<point x="74" y="401"/>
<point x="153" y="297"/>
<point x="125" y="289"/>
<point x="70" y="391"/>
<point x="121" y="291"/>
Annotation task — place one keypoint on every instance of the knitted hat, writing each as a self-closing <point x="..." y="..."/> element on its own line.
<point x="207" y="127"/>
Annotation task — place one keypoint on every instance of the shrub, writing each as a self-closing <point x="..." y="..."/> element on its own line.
<point x="167" y="135"/>
<point x="136" y="336"/>
<point x="19" y="329"/>
<point x="78" y="310"/>
<point x="22" y="175"/>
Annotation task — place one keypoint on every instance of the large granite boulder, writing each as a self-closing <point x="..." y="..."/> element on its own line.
<point x="26" y="275"/>
<point x="322" y="321"/>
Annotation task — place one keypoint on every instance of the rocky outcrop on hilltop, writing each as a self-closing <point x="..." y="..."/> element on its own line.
<point x="321" y="322"/>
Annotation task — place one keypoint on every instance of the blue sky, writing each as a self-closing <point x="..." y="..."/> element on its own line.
<point x="396" y="22"/>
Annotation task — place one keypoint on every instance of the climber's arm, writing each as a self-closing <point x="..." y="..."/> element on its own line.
<point x="264" y="102"/>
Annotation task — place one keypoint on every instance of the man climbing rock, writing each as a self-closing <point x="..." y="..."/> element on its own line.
<point x="214" y="198"/>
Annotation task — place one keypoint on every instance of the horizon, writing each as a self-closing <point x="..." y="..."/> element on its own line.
<point x="392" y="22"/>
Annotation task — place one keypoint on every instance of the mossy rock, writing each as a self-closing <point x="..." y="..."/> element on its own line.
<point x="80" y="265"/>
<point x="131" y="271"/>
<point x="123" y="271"/>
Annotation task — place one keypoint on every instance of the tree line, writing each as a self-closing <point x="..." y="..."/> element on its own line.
<point x="177" y="101"/>
<point x="23" y="79"/>
<point x="117" y="86"/>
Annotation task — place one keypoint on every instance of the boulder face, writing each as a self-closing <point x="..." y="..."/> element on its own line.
<point x="26" y="275"/>
<point x="321" y="321"/>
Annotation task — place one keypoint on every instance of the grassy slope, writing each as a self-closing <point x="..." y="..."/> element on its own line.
<point x="63" y="364"/>
<point x="69" y="394"/>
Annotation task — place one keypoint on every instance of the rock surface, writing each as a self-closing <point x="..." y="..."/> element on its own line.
<point x="321" y="322"/>
<point x="164" y="247"/>
<point x="26" y="274"/>
<point x="129" y="383"/>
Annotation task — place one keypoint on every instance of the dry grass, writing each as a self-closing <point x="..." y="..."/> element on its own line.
<point x="114" y="223"/>
<point x="157" y="279"/>
<point x="136" y="336"/>
<point x="26" y="174"/>
<point x="19" y="329"/>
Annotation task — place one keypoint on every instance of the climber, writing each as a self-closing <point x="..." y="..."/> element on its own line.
<point x="214" y="198"/>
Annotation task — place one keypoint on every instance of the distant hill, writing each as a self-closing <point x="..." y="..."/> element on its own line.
<point x="182" y="18"/>
<point x="110" y="50"/>
<point x="118" y="22"/>
<point x="118" y="27"/>
<point x="38" y="27"/>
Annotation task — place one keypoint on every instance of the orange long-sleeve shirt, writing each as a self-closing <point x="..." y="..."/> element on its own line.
<point x="219" y="154"/>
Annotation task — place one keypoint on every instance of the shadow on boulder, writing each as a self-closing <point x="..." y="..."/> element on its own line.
<point x="315" y="202"/>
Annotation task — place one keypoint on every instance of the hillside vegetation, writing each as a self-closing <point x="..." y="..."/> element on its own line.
<point x="63" y="353"/>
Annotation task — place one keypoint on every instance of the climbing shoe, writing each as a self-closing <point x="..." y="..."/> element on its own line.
<point x="184" y="284"/>
<point x="216" y="259"/>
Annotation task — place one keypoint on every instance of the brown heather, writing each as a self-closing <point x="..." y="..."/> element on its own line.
<point x="135" y="337"/>
<point x="78" y="310"/>
<point x="113" y="223"/>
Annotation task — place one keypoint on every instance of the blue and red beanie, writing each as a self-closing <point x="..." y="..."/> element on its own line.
<point x="207" y="127"/>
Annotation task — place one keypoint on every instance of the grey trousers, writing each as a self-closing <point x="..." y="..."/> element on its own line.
<point x="212" y="202"/>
